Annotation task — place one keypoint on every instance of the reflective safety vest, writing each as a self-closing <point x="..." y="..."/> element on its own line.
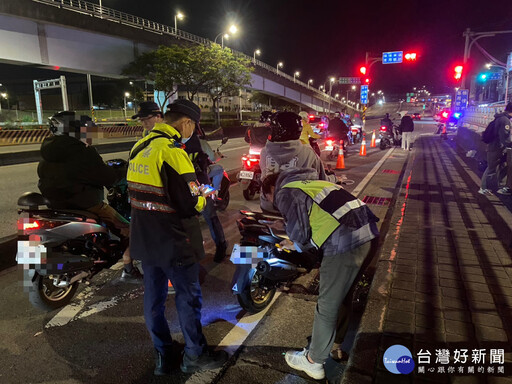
<point x="332" y="207"/>
<point x="145" y="171"/>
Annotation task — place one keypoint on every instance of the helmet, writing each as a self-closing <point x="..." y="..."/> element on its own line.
<point x="265" y="116"/>
<point x="304" y="115"/>
<point x="387" y="115"/>
<point x="285" y="126"/>
<point x="63" y="123"/>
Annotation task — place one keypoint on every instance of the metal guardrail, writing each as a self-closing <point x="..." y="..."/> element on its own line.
<point x="35" y="136"/>
<point x="479" y="117"/>
<point x="113" y="15"/>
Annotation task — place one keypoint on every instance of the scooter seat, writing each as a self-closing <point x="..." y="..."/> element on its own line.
<point x="32" y="200"/>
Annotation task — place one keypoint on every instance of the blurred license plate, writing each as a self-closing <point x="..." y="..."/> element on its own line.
<point x="329" y="147"/>
<point x="246" y="175"/>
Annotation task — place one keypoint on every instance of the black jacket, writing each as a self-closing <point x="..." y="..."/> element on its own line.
<point x="71" y="174"/>
<point x="406" y="125"/>
<point x="502" y="129"/>
<point x="337" y="128"/>
<point x="257" y="136"/>
<point x="199" y="158"/>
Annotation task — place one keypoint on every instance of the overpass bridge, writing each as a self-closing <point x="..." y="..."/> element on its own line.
<point x="82" y="37"/>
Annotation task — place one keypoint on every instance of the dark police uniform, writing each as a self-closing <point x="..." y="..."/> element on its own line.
<point x="166" y="235"/>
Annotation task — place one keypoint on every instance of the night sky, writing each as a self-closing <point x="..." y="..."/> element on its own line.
<point x="326" y="38"/>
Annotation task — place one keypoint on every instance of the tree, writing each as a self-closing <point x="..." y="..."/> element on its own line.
<point x="229" y="73"/>
<point x="199" y="67"/>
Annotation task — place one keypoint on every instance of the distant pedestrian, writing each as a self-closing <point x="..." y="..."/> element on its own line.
<point x="496" y="149"/>
<point x="406" y="128"/>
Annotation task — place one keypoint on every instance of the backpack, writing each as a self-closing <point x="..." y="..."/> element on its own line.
<point x="490" y="133"/>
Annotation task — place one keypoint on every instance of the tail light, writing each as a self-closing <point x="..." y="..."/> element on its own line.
<point x="249" y="161"/>
<point x="383" y="128"/>
<point x="311" y="117"/>
<point x="329" y="142"/>
<point x="27" y="226"/>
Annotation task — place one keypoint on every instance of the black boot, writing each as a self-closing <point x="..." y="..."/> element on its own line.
<point x="208" y="360"/>
<point x="162" y="365"/>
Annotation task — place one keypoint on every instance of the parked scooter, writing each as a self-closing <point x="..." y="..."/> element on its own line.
<point x="389" y="139"/>
<point x="250" y="175"/>
<point x="332" y="146"/>
<point x="58" y="249"/>
<point x="261" y="265"/>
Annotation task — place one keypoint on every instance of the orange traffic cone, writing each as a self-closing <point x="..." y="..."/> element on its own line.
<point x="362" y="151"/>
<point x="340" y="164"/>
<point x="170" y="288"/>
<point x="373" y="144"/>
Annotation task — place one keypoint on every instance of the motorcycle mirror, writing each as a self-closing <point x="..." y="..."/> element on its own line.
<point x="225" y="140"/>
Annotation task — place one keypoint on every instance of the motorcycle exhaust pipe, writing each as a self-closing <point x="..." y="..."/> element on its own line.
<point x="277" y="270"/>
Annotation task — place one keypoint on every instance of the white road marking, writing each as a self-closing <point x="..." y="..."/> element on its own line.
<point x="102" y="305"/>
<point x="241" y="331"/>
<point x="69" y="312"/>
<point x="368" y="177"/>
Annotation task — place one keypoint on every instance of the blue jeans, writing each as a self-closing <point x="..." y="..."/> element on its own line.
<point x="210" y="216"/>
<point x="216" y="173"/>
<point x="188" y="304"/>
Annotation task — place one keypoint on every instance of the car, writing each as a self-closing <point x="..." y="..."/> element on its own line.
<point x="318" y="124"/>
<point x="416" y="116"/>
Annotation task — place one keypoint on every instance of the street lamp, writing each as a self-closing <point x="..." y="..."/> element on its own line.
<point x="177" y="16"/>
<point x="337" y="96"/>
<point x="296" y="74"/>
<point x="6" y="97"/>
<point x="233" y="29"/>
<point x="331" y="82"/>
<point x="126" y="94"/>
<point x="279" y="65"/>
<point x="256" y="52"/>
<point x="310" y="81"/>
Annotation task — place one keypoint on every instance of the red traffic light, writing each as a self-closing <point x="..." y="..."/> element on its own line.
<point x="411" y="56"/>
<point x="362" y="70"/>
<point x="458" y="72"/>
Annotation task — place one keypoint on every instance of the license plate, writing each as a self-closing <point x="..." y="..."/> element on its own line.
<point x="329" y="147"/>
<point x="31" y="253"/>
<point x="248" y="255"/>
<point x="246" y="175"/>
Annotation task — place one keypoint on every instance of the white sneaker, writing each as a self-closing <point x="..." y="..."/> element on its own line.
<point x="298" y="360"/>
<point x="484" y="192"/>
<point x="505" y="191"/>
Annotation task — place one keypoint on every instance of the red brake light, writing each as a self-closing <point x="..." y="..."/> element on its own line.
<point x="383" y="128"/>
<point x="329" y="142"/>
<point x="321" y="125"/>
<point x="445" y="114"/>
<point x="311" y="117"/>
<point x="250" y="160"/>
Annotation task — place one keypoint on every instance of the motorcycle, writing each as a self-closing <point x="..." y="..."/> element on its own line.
<point x="262" y="266"/>
<point x="387" y="138"/>
<point x="58" y="249"/>
<point x="332" y="147"/>
<point x="250" y="175"/>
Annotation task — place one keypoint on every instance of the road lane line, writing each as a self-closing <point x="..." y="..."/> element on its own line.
<point x="69" y="312"/>
<point x="241" y="331"/>
<point x="368" y="177"/>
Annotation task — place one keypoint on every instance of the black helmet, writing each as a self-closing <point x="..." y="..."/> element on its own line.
<point x="265" y="116"/>
<point x="285" y="126"/>
<point x="64" y="123"/>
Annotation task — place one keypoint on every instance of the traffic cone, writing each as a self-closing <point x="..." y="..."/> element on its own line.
<point x="362" y="151"/>
<point x="444" y="129"/>
<point x="373" y="144"/>
<point x="170" y="288"/>
<point x="340" y="164"/>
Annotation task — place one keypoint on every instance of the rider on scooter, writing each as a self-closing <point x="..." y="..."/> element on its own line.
<point x="257" y="135"/>
<point x="338" y="129"/>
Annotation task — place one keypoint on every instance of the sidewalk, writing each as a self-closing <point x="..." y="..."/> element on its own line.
<point x="443" y="279"/>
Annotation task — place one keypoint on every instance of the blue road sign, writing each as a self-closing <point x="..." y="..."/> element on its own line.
<point x="494" y="76"/>
<point x="364" y="94"/>
<point x="461" y="99"/>
<point x="395" y="57"/>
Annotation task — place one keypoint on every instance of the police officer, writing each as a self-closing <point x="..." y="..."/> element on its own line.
<point x="166" y="236"/>
<point x="201" y="162"/>
<point x="322" y="216"/>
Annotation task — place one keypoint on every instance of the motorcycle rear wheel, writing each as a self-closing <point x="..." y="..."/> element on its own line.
<point x="47" y="297"/>
<point x="223" y="204"/>
<point x="384" y="143"/>
<point x="249" y="193"/>
<point x="253" y="298"/>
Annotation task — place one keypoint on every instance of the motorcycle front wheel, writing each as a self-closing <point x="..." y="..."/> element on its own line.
<point x="47" y="297"/>
<point x="254" y="298"/>
<point x="250" y="191"/>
